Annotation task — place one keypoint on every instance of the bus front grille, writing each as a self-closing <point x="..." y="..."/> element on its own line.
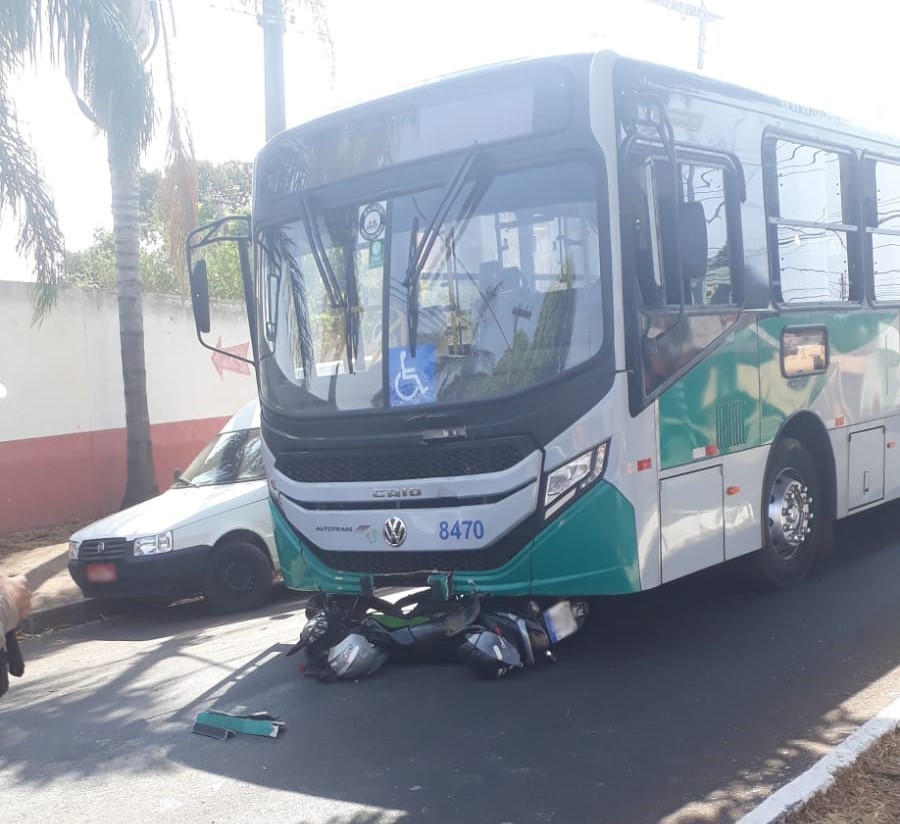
<point x="403" y="462"/>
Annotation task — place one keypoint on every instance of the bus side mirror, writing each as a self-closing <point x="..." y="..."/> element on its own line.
<point x="222" y="250"/>
<point x="200" y="295"/>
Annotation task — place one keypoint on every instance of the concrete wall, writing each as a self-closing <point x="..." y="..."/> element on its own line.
<point x="62" y="436"/>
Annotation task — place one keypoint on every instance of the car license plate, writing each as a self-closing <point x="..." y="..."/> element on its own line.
<point x="102" y="573"/>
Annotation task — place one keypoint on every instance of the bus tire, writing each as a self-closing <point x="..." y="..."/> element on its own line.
<point x="794" y="515"/>
<point x="238" y="577"/>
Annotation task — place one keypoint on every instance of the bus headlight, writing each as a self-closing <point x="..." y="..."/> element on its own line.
<point x="565" y="483"/>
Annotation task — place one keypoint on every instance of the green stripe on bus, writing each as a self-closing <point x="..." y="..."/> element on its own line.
<point x="590" y="549"/>
<point x="737" y="397"/>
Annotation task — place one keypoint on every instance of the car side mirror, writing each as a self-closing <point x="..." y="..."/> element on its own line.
<point x="176" y="475"/>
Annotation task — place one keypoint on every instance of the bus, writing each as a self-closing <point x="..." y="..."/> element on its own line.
<point x="568" y="326"/>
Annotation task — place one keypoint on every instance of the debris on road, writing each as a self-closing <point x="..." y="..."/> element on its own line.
<point x="222" y="725"/>
<point x="350" y="637"/>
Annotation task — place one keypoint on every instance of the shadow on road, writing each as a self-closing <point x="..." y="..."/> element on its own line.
<point x="685" y="704"/>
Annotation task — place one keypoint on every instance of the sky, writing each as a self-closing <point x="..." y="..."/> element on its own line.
<point x="837" y="58"/>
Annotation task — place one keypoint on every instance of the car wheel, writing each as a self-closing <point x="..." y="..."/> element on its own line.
<point x="794" y="517"/>
<point x="238" y="577"/>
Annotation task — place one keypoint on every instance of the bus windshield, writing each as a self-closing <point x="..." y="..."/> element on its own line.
<point x="505" y="293"/>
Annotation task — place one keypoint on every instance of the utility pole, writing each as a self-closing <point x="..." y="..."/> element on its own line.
<point x="689" y="10"/>
<point x="272" y="22"/>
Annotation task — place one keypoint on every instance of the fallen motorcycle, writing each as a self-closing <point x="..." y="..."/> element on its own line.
<point x="350" y="637"/>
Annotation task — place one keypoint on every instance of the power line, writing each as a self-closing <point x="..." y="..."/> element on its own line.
<point x="702" y="14"/>
<point x="260" y="15"/>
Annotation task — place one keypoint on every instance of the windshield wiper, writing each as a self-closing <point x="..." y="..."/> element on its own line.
<point x="419" y="252"/>
<point x="179" y="481"/>
<point x="333" y="291"/>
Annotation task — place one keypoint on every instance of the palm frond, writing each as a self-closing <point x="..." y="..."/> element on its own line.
<point x="24" y="193"/>
<point x="18" y="30"/>
<point x="323" y="31"/>
<point x="98" y="44"/>
<point x="179" y="190"/>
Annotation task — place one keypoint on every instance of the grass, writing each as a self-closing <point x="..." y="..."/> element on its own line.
<point x="867" y="792"/>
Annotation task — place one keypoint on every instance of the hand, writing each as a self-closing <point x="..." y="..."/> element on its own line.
<point x="17" y="588"/>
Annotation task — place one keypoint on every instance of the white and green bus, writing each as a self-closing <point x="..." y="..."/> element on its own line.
<point x="569" y="326"/>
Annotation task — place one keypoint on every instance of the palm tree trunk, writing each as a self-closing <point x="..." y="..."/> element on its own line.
<point x="123" y="170"/>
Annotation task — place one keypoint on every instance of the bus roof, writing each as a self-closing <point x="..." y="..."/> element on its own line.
<point x="651" y="72"/>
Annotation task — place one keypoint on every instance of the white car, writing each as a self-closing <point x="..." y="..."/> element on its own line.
<point x="210" y="533"/>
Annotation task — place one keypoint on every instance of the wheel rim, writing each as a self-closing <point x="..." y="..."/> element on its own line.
<point x="790" y="513"/>
<point x="238" y="579"/>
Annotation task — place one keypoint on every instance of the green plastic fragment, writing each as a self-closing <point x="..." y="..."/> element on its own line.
<point x="251" y="724"/>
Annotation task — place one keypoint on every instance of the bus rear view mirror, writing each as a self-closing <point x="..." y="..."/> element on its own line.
<point x="220" y="268"/>
<point x="200" y="295"/>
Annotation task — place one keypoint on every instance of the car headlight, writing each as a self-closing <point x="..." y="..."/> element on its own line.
<point x="73" y="550"/>
<point x="154" y="544"/>
<point x="564" y="484"/>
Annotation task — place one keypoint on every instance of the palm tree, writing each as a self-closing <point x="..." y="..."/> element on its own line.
<point x="63" y="25"/>
<point x="103" y="46"/>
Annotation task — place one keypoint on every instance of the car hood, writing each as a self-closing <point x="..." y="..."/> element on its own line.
<point x="172" y="509"/>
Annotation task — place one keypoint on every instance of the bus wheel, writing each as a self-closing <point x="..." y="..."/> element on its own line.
<point x="238" y="577"/>
<point x="793" y="515"/>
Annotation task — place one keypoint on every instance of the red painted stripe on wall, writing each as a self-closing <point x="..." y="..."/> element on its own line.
<point x="45" y="481"/>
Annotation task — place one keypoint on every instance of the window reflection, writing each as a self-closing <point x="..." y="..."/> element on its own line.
<point x="887" y="195"/>
<point x="228" y="458"/>
<point x="705" y="185"/>
<point x="885" y="231"/>
<point x="813" y="259"/>
<point x="682" y="234"/>
<point x="813" y="265"/>
<point x="886" y="266"/>
<point x="809" y="183"/>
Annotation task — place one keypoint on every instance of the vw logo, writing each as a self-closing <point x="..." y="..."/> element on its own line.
<point x="394" y="531"/>
<point x="100" y="547"/>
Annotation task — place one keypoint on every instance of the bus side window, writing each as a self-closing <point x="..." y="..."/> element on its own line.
<point x="688" y="253"/>
<point x="813" y="217"/>
<point x="682" y="256"/>
<point x="645" y="233"/>
<point x="703" y="236"/>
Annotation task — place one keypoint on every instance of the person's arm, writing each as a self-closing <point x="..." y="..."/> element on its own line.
<point x="15" y="602"/>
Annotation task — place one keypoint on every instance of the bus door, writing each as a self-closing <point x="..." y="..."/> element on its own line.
<point x="691" y="351"/>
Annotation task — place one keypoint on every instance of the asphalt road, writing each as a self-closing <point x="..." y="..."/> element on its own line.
<point x="687" y="704"/>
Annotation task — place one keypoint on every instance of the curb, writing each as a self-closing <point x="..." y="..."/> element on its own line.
<point x="820" y="776"/>
<point x="69" y="614"/>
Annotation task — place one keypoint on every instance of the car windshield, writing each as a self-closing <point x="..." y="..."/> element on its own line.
<point x="230" y="457"/>
<point x="506" y="294"/>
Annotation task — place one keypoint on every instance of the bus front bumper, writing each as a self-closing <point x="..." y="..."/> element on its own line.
<point x="588" y="549"/>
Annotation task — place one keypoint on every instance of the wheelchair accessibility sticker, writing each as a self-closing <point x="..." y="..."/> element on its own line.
<point x="412" y="378"/>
